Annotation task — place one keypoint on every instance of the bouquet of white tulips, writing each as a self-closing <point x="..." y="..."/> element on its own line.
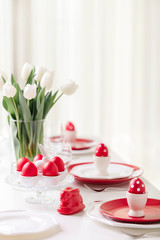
<point x="29" y="107"/>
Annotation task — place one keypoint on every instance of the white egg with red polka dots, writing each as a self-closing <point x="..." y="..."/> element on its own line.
<point x="136" y="198"/>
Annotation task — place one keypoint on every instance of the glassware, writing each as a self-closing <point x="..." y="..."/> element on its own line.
<point x="42" y="192"/>
<point x="26" y="136"/>
<point x="60" y="149"/>
<point x="44" y="185"/>
<point x="65" y="153"/>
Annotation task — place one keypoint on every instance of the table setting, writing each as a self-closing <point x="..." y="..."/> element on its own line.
<point x="68" y="134"/>
<point x="80" y="184"/>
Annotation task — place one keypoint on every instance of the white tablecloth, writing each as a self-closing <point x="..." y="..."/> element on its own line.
<point x="78" y="226"/>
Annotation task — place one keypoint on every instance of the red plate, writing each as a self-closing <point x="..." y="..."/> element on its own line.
<point x="79" y="144"/>
<point x="118" y="210"/>
<point x="136" y="173"/>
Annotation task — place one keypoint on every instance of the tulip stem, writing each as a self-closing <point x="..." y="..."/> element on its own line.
<point x="17" y="117"/>
<point x="57" y="99"/>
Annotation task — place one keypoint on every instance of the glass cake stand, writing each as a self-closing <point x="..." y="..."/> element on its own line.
<point x="43" y="185"/>
<point x="43" y="189"/>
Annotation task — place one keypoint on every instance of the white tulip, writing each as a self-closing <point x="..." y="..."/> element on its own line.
<point x="9" y="90"/>
<point x="26" y="70"/>
<point x="69" y="87"/>
<point x="30" y="91"/>
<point x="47" y="80"/>
<point x="39" y="73"/>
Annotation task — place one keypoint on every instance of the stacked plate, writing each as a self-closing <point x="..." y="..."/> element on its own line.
<point x="80" y="146"/>
<point x="117" y="173"/>
<point x="115" y="213"/>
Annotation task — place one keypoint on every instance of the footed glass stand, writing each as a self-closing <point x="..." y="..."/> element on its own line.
<point x="39" y="197"/>
<point x="43" y="190"/>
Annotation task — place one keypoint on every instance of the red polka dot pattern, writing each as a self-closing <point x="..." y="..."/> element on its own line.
<point x="137" y="186"/>
<point x="101" y="150"/>
<point x="70" y="126"/>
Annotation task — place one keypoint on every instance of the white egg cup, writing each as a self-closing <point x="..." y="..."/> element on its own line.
<point x="51" y="180"/>
<point x="63" y="175"/>
<point x="70" y="136"/>
<point x="101" y="164"/>
<point x="54" y="180"/>
<point x="136" y="203"/>
<point x="29" y="181"/>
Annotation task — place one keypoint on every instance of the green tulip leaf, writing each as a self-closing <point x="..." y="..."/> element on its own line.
<point x="40" y="97"/>
<point x="24" y="107"/>
<point x="47" y="104"/>
<point x="8" y="105"/>
<point x="31" y="77"/>
<point x="26" y="113"/>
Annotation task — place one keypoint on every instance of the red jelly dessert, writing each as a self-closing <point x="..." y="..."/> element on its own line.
<point x="37" y="157"/>
<point x="71" y="201"/>
<point x="59" y="162"/>
<point x="50" y="169"/>
<point x="70" y="126"/>
<point x="101" y="150"/>
<point x="29" y="170"/>
<point x="137" y="186"/>
<point x="21" y="162"/>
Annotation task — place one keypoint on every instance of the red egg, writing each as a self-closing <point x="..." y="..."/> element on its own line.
<point x="101" y="150"/>
<point x="29" y="170"/>
<point x="136" y="186"/>
<point x="37" y="157"/>
<point x="70" y="126"/>
<point x="59" y="163"/>
<point x="21" y="162"/>
<point x="50" y="169"/>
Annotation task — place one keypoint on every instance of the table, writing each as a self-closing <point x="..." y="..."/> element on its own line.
<point x="78" y="226"/>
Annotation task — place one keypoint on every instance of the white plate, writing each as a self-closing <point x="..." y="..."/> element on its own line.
<point x="95" y="214"/>
<point x="85" y="151"/>
<point x="16" y="223"/>
<point x="115" y="171"/>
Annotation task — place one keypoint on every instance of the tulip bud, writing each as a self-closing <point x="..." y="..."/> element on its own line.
<point x="47" y="80"/>
<point x="39" y="73"/>
<point x="69" y="88"/>
<point x="9" y="90"/>
<point x="30" y="91"/>
<point x="26" y="70"/>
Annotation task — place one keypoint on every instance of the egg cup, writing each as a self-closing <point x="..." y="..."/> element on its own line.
<point x="70" y="136"/>
<point x="136" y="203"/>
<point x="101" y="164"/>
<point x="50" y="180"/>
<point x="29" y="181"/>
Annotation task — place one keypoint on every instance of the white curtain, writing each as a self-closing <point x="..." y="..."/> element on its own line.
<point x="111" y="49"/>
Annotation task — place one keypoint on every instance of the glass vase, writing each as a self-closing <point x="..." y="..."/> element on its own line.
<point x="26" y="135"/>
